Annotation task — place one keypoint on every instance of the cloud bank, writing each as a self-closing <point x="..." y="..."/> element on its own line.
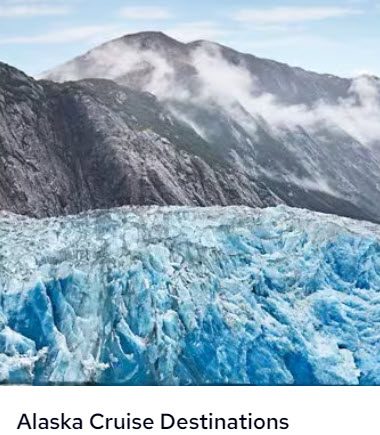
<point x="29" y="10"/>
<point x="288" y="15"/>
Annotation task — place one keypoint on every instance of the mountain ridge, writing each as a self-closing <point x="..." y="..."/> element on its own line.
<point x="163" y="41"/>
<point x="161" y="34"/>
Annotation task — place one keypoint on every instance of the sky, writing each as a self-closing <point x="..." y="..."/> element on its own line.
<point x="337" y="37"/>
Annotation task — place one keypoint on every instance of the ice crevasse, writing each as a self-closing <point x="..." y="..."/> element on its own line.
<point x="177" y="295"/>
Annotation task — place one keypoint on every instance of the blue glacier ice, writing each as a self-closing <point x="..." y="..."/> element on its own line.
<point x="146" y="296"/>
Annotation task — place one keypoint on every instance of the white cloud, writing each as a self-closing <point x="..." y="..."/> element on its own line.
<point x="73" y="34"/>
<point x="358" y="114"/>
<point x="112" y="60"/>
<point x="29" y="2"/>
<point x="24" y="10"/>
<point x="364" y="72"/>
<point x="145" y="13"/>
<point x="287" y="15"/>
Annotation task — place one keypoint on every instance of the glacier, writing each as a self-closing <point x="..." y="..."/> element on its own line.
<point x="189" y="296"/>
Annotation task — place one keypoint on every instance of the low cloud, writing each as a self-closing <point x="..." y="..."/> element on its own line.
<point x="358" y="114"/>
<point x="236" y="90"/>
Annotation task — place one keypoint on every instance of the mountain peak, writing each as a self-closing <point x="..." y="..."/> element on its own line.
<point x="148" y="34"/>
<point x="148" y="39"/>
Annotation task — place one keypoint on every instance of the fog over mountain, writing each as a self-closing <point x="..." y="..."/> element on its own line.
<point x="145" y="119"/>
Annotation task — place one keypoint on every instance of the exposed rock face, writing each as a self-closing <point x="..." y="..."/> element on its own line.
<point x="94" y="144"/>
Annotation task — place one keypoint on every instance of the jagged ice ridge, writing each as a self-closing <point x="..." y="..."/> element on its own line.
<point x="175" y="295"/>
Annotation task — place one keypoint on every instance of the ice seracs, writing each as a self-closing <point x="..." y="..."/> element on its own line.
<point x="190" y="296"/>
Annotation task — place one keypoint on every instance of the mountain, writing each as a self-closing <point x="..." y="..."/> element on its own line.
<point x="312" y="139"/>
<point x="179" y="295"/>
<point x="65" y="148"/>
<point x="145" y="119"/>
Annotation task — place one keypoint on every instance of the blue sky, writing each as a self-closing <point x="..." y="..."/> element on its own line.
<point x="338" y="37"/>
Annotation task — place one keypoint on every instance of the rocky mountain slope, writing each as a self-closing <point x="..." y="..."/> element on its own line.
<point x="95" y="144"/>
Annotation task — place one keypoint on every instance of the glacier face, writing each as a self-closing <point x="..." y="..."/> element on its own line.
<point x="178" y="295"/>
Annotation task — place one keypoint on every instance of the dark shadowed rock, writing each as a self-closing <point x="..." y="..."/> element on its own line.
<point x="94" y="144"/>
